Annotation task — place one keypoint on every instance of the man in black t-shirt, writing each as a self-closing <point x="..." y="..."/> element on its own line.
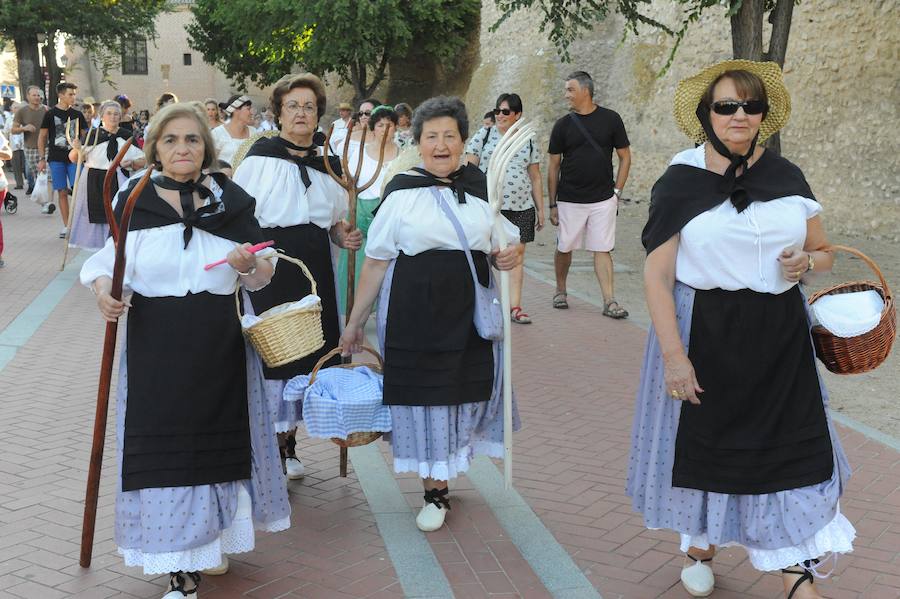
<point x="584" y="197"/>
<point x="53" y="130"/>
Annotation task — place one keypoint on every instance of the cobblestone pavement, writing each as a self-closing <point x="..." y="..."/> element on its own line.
<point x="575" y="375"/>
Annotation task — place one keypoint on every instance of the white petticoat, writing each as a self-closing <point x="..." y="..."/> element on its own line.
<point x="457" y="464"/>
<point x="835" y="537"/>
<point x="237" y="538"/>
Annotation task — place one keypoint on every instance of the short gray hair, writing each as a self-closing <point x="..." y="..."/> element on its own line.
<point x="583" y="79"/>
<point x="434" y="108"/>
<point x="109" y="104"/>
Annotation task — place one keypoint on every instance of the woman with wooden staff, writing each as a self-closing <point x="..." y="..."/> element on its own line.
<point x="431" y="237"/>
<point x="89" y="227"/>
<point x="381" y="125"/>
<point x="302" y="208"/>
<point x="198" y="466"/>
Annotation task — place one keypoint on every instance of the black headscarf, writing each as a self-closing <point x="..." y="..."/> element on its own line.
<point x="684" y="191"/>
<point x="230" y="216"/>
<point x="277" y="147"/>
<point x="466" y="179"/>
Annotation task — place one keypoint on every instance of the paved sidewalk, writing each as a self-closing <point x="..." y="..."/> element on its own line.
<point x="575" y="375"/>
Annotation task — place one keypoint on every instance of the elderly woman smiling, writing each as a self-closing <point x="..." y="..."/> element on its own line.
<point x="185" y="439"/>
<point x="441" y="378"/>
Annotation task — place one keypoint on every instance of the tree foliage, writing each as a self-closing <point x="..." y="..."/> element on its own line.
<point x="566" y="20"/>
<point x="97" y="25"/>
<point x="261" y="40"/>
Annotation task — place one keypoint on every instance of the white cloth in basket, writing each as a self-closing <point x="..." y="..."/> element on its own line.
<point x="341" y="401"/>
<point x="849" y="314"/>
<point x="248" y="320"/>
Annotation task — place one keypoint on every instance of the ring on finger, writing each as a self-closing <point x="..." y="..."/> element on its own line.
<point x="675" y="393"/>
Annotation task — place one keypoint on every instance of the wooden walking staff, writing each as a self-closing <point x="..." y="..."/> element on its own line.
<point x="74" y="203"/>
<point x="350" y="182"/>
<point x="513" y="140"/>
<point x="109" y="350"/>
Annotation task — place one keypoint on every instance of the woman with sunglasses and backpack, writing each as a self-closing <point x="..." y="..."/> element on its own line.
<point x="523" y="194"/>
<point x="732" y="443"/>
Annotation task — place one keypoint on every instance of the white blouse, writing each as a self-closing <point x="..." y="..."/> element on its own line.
<point x="226" y="145"/>
<point x="722" y="248"/>
<point x="96" y="155"/>
<point x="281" y="198"/>
<point x="158" y="265"/>
<point x="368" y="169"/>
<point x="410" y="221"/>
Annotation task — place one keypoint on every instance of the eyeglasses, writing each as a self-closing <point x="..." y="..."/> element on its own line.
<point x="296" y="106"/>
<point x="362" y="113"/>
<point x="503" y="111"/>
<point x="729" y="107"/>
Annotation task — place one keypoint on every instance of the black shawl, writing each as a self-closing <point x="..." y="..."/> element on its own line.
<point x="277" y="147"/>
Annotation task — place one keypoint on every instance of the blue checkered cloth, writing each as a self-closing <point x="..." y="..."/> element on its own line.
<point x="341" y="401"/>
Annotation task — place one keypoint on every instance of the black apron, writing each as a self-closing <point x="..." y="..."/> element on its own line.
<point x="761" y="425"/>
<point x="310" y="244"/>
<point x="186" y="421"/>
<point x="95" y="178"/>
<point x="433" y="354"/>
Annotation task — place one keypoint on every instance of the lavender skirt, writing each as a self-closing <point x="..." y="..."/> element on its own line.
<point x="84" y="233"/>
<point x="439" y="442"/>
<point x="777" y="529"/>
<point x="189" y="528"/>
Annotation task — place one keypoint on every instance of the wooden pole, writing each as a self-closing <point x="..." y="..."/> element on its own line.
<point x="102" y="410"/>
<point x="73" y="205"/>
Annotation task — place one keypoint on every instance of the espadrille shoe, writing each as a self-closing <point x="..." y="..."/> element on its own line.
<point x="698" y="578"/>
<point x="218" y="570"/>
<point x="433" y="513"/>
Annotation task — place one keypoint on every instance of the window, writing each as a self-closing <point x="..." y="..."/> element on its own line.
<point x="134" y="57"/>
<point x="187" y="60"/>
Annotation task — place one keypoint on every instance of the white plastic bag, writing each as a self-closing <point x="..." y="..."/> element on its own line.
<point x="41" y="193"/>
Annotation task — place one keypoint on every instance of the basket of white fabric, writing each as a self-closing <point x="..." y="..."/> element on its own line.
<point x="344" y="402"/>
<point x="855" y="323"/>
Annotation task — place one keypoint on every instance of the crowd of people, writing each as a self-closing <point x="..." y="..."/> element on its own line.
<point x="731" y="444"/>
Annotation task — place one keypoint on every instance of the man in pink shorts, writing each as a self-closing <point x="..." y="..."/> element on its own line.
<point x="584" y="197"/>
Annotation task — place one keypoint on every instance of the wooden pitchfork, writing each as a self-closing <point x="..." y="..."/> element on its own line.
<point x="513" y="140"/>
<point x="109" y="350"/>
<point x="74" y="203"/>
<point x="350" y="182"/>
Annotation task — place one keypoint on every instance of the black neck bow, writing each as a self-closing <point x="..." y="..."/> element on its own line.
<point x="112" y="148"/>
<point x="191" y="216"/>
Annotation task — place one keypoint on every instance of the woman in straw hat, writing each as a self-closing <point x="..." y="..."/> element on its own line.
<point x="732" y="444"/>
<point x="302" y="209"/>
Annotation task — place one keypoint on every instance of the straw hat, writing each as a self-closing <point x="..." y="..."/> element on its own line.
<point x="344" y="106"/>
<point x="690" y="90"/>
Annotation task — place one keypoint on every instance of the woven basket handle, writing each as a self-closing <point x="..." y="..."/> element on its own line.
<point x="281" y="256"/>
<point x="336" y="352"/>
<point x="869" y="262"/>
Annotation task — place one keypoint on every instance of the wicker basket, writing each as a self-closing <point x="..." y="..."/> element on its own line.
<point x="853" y="355"/>
<point x="287" y="336"/>
<point x="360" y="438"/>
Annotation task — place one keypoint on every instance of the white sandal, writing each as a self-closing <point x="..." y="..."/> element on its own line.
<point x="433" y="513"/>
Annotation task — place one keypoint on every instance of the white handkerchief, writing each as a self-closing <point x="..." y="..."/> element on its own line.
<point x="849" y="314"/>
<point x="248" y="320"/>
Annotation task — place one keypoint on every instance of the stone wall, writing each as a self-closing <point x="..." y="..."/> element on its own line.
<point x="841" y="70"/>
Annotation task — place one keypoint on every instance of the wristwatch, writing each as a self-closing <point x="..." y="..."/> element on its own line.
<point x="810" y="262"/>
<point x="617" y="192"/>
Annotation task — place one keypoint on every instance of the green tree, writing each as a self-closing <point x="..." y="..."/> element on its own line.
<point x="97" y="25"/>
<point x="261" y="40"/>
<point x="566" y="20"/>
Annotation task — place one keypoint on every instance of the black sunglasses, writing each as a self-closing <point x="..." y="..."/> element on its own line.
<point x="729" y="107"/>
<point x="503" y="111"/>
<point x="364" y="113"/>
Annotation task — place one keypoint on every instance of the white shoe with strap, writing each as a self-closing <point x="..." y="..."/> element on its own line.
<point x="698" y="578"/>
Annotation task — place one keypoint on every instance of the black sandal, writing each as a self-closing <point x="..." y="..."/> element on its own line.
<point x="177" y="582"/>
<point x="805" y="576"/>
